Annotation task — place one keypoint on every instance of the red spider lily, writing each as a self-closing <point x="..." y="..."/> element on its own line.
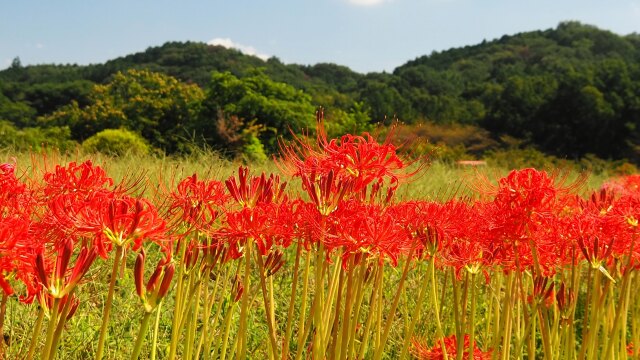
<point x="565" y="297"/>
<point x="198" y="202"/>
<point x="248" y="191"/>
<point x="543" y="291"/>
<point x="267" y="224"/>
<point x="600" y="229"/>
<point x="362" y="229"/>
<point x="325" y="191"/>
<point x="121" y="221"/>
<point x="359" y="158"/>
<point x="521" y="215"/>
<point x="422" y="352"/>
<point x="58" y="279"/>
<point x="158" y="285"/>
<point x="624" y="186"/>
<point x="274" y="262"/>
<point x="67" y="193"/>
<point x="237" y="289"/>
<point x="15" y="198"/>
<point x="81" y="179"/>
<point x="17" y="251"/>
<point x="423" y="222"/>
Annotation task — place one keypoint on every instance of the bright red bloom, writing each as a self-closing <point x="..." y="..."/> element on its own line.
<point x="364" y="229"/>
<point x="266" y="224"/>
<point x="522" y="215"/>
<point x="423" y="352"/>
<point x="17" y="205"/>
<point x="121" y="221"/>
<point x="15" y="198"/>
<point x="325" y="191"/>
<point x="357" y="158"/>
<point x="249" y="191"/>
<point x="600" y="229"/>
<point x="81" y="179"/>
<point x="198" y="202"/>
<point x="624" y="186"/>
<point x="57" y="278"/>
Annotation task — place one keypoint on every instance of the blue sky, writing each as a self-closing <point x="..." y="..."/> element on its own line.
<point x="365" y="35"/>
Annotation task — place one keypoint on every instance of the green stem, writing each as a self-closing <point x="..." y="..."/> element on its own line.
<point x="267" y="307"/>
<point x="318" y="303"/>
<point x="107" y="307"/>
<point x="175" y="325"/>
<point x="225" y="335"/>
<point x="244" y="309"/>
<point x="414" y="319"/>
<point x="472" y="335"/>
<point x="292" y="301"/>
<point x="51" y="326"/>
<point x="60" y="326"/>
<point x="142" y="333"/>
<point x="3" y="311"/>
<point x="387" y="328"/>
<point x="372" y="312"/>
<point x="436" y="309"/>
<point x="544" y="329"/>
<point x="360" y="285"/>
<point x="594" y="318"/>
<point x="156" y="326"/>
<point x="303" y="308"/>
<point x="346" y="318"/>
<point x="36" y="334"/>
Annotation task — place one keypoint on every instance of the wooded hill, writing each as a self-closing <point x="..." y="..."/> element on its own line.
<point x="569" y="91"/>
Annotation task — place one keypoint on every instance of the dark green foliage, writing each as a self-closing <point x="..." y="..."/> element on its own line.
<point x="278" y="107"/>
<point x="569" y="91"/>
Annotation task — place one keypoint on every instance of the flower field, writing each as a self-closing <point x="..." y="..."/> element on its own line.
<point x="327" y="259"/>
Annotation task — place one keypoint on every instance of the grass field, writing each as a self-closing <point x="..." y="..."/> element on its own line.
<point x="245" y="290"/>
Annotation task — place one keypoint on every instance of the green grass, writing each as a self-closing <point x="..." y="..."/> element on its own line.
<point x="160" y="174"/>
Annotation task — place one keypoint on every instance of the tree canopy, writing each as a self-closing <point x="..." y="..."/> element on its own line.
<point x="570" y="91"/>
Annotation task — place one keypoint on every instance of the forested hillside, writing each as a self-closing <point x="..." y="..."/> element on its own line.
<point x="569" y="91"/>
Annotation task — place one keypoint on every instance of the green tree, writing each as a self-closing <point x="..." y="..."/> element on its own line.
<point x="279" y="107"/>
<point x="157" y="106"/>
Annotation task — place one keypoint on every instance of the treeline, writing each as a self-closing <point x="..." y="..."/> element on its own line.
<point x="572" y="91"/>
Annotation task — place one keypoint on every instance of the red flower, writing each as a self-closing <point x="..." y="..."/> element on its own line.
<point x="122" y="221"/>
<point x="325" y="191"/>
<point x="80" y="179"/>
<point x="364" y="229"/>
<point x="357" y="158"/>
<point x="198" y="202"/>
<point x="249" y="191"/>
<point x="58" y="279"/>
<point x="267" y="224"/>
<point x="624" y="186"/>
<point x="422" y="352"/>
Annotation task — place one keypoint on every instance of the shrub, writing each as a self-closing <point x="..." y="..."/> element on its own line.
<point x="116" y="142"/>
<point x="32" y="138"/>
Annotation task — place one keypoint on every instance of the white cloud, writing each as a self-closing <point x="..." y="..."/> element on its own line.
<point x="229" y="44"/>
<point x="367" y="2"/>
<point x="39" y="46"/>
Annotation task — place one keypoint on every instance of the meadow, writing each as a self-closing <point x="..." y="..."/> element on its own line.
<point x="339" y="250"/>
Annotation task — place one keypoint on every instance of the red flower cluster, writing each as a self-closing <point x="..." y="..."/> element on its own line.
<point x="423" y="352"/>
<point x="51" y="234"/>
